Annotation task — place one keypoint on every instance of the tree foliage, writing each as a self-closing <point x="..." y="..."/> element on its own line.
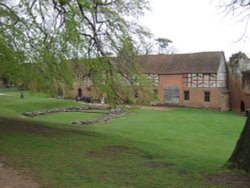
<point x="163" y="43"/>
<point x="123" y="76"/>
<point x="47" y="34"/>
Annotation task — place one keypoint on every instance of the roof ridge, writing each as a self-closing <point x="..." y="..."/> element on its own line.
<point x="200" y="62"/>
<point x="189" y="53"/>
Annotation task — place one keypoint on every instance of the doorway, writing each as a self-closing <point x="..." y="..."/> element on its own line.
<point x="242" y="106"/>
<point x="172" y="95"/>
<point x="79" y="92"/>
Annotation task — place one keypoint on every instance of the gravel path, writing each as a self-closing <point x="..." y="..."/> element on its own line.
<point x="10" y="178"/>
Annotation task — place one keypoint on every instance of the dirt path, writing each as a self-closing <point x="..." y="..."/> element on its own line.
<point x="10" y="178"/>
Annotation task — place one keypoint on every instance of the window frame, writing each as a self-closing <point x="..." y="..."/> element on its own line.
<point x="207" y="96"/>
<point x="186" y="95"/>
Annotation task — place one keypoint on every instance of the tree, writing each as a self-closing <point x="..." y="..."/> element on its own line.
<point x="50" y="33"/>
<point x="163" y="44"/>
<point x="240" y="9"/>
<point x="130" y="69"/>
<point x="240" y="158"/>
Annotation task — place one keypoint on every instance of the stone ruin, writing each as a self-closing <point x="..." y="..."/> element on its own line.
<point x="112" y="113"/>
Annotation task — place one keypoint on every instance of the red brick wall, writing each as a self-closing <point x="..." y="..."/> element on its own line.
<point x="237" y="93"/>
<point x="218" y="99"/>
<point x="170" y="80"/>
<point x="197" y="98"/>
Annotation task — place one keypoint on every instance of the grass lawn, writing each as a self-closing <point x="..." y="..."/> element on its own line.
<point x="145" y="148"/>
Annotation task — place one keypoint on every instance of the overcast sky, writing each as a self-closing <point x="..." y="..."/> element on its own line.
<point x="196" y="26"/>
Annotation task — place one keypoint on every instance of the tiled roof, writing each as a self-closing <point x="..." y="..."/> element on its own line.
<point x="203" y="62"/>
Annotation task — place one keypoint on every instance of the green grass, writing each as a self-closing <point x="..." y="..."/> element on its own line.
<point x="191" y="143"/>
<point x="69" y="117"/>
<point x="198" y="139"/>
<point x="11" y="104"/>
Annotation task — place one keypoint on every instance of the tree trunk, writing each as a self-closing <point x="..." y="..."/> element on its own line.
<point x="240" y="158"/>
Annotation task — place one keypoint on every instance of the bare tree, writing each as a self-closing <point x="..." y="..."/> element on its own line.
<point x="239" y="9"/>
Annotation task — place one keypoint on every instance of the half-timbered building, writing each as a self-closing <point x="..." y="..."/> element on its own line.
<point x="195" y="79"/>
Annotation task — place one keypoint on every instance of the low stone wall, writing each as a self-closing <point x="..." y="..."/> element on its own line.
<point x="65" y="109"/>
<point x="107" y="116"/>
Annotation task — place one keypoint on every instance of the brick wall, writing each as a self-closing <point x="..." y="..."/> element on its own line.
<point x="237" y="92"/>
<point x="170" y="80"/>
<point x="197" y="98"/>
<point x="218" y="98"/>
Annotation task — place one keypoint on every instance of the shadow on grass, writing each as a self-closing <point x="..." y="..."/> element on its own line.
<point x="25" y="126"/>
<point x="80" y="160"/>
<point x="229" y="179"/>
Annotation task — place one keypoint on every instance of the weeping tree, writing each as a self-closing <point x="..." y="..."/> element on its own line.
<point x="128" y="66"/>
<point x="240" y="158"/>
<point x="48" y="34"/>
<point x="35" y="58"/>
<point x="126" y="80"/>
<point x="9" y="59"/>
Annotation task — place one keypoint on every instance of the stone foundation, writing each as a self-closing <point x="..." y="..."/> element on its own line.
<point x="109" y="115"/>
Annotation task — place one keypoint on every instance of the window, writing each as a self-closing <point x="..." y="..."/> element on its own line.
<point x="206" y="96"/>
<point x="186" y="95"/>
